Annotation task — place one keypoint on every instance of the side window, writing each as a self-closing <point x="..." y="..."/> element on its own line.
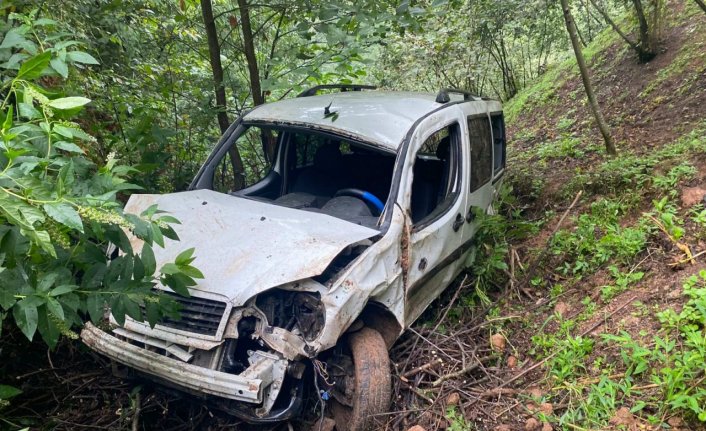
<point x="481" y="151"/>
<point x="499" y="143"/>
<point x="253" y="146"/>
<point x="436" y="178"/>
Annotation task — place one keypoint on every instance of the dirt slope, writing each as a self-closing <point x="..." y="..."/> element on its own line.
<point x="581" y="337"/>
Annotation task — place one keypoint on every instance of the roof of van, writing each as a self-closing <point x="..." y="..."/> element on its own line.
<point x="378" y="117"/>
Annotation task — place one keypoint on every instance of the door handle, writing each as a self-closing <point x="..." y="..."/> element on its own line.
<point x="471" y="215"/>
<point x="458" y="222"/>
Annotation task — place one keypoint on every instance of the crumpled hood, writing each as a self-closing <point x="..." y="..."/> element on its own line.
<point x="243" y="246"/>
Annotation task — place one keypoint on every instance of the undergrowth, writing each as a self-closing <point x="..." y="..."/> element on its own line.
<point x="653" y="376"/>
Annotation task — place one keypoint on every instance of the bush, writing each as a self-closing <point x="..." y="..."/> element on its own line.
<point x="58" y="210"/>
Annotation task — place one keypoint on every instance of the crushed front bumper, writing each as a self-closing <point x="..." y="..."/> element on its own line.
<point x="247" y="387"/>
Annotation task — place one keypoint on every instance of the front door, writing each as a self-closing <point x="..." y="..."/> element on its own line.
<point x="433" y="193"/>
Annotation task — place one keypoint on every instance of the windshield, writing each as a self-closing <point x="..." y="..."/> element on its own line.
<point x="304" y="170"/>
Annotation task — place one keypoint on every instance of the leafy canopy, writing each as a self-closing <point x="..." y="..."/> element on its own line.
<point x="59" y="211"/>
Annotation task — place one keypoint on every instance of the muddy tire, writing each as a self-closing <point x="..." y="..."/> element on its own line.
<point x="371" y="363"/>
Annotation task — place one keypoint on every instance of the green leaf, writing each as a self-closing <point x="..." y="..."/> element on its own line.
<point x="68" y="146"/>
<point x="44" y="22"/>
<point x="7" y="392"/>
<point x="28" y="111"/>
<point x="26" y="318"/>
<point x="64" y="214"/>
<point x="81" y="57"/>
<point x="48" y="329"/>
<point x="46" y="281"/>
<point x="185" y="257"/>
<point x="148" y="260"/>
<point x="7" y="297"/>
<point x="94" y="305"/>
<point x="170" y="269"/>
<point x="14" y="62"/>
<point x="132" y="308"/>
<point x="8" y="120"/>
<point x="118" y="310"/>
<point x="55" y="308"/>
<point x="152" y="311"/>
<point x="157" y="235"/>
<point x="63" y="289"/>
<point x="191" y="271"/>
<point x="177" y="284"/>
<point x="65" y="103"/>
<point x="64" y="131"/>
<point x="138" y="268"/>
<point x="60" y="67"/>
<point x="32" y="68"/>
<point x="15" y="39"/>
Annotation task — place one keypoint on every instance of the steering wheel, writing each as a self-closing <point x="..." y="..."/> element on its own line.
<point x="367" y="197"/>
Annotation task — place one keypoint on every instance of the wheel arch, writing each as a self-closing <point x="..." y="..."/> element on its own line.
<point x="378" y="317"/>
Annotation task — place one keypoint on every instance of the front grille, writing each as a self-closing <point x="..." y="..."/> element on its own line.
<point x="199" y="315"/>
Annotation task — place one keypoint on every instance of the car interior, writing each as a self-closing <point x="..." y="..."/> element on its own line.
<point x="334" y="176"/>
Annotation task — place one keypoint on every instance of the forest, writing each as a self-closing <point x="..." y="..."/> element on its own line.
<point x="583" y="306"/>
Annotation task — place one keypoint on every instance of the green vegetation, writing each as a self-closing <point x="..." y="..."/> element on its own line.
<point x="60" y="211"/>
<point x="641" y="172"/>
<point x="598" y="239"/>
<point x="657" y="376"/>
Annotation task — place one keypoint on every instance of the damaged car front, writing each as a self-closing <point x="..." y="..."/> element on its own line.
<point x="281" y="285"/>
<point x="249" y="330"/>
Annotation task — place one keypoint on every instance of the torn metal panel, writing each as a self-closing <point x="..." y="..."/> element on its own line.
<point x="375" y="275"/>
<point x="171" y="348"/>
<point x="167" y="334"/>
<point x="243" y="246"/>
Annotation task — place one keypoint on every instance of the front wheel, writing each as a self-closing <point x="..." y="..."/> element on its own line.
<point x="371" y="381"/>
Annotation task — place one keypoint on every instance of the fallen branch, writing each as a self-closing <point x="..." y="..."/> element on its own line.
<point x="417" y="392"/>
<point x="138" y="410"/>
<point x="461" y="372"/>
<point x="490" y="393"/>
<point x="453" y="300"/>
<point x="688" y="259"/>
<point x="681" y="246"/>
<point x="421" y="368"/>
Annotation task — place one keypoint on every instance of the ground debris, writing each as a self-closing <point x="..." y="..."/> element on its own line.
<point x="497" y="342"/>
<point x="691" y="196"/>
<point x="532" y="424"/>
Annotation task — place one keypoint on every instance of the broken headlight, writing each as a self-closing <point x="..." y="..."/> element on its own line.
<point x="297" y="312"/>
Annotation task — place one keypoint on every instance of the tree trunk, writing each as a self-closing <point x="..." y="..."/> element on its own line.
<point x="214" y="51"/>
<point x="602" y="126"/>
<point x="615" y="27"/>
<point x="249" y="48"/>
<point x="258" y="96"/>
<point x="701" y="4"/>
<point x="647" y="49"/>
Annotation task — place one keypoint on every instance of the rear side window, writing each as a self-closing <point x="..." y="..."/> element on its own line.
<point x="481" y="151"/>
<point x="499" y="142"/>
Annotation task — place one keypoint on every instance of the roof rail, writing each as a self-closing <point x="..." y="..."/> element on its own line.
<point x="443" y="95"/>
<point x="343" y="87"/>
